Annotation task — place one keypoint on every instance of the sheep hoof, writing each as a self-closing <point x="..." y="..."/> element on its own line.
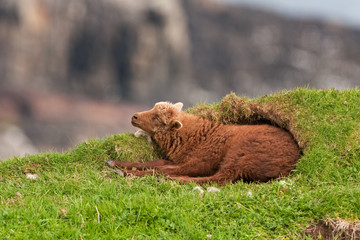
<point x="110" y="164"/>
<point x="120" y="173"/>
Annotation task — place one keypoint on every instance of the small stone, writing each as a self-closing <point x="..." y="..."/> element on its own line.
<point x="31" y="176"/>
<point x="201" y="192"/>
<point x="213" y="189"/>
<point x="209" y="236"/>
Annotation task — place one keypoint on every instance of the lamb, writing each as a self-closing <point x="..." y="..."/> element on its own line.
<point x="202" y="151"/>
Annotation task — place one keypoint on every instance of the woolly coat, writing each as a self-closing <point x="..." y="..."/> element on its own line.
<point x="201" y="151"/>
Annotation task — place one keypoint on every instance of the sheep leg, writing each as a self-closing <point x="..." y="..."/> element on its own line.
<point x="182" y="179"/>
<point x="146" y="165"/>
<point x="192" y="168"/>
<point x="227" y="172"/>
<point x="139" y="173"/>
<point x="231" y="169"/>
<point x="216" y="178"/>
<point x="202" y="180"/>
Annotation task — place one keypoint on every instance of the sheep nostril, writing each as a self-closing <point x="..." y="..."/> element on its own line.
<point x="135" y="117"/>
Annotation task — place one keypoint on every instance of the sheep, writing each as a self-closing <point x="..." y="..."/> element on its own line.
<point x="201" y="151"/>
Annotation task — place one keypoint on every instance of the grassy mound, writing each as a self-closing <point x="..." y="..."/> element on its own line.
<point x="72" y="195"/>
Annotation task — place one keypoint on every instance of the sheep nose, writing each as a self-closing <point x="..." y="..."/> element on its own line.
<point x="135" y="117"/>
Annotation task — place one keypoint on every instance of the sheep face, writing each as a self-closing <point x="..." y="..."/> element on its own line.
<point x="161" y="118"/>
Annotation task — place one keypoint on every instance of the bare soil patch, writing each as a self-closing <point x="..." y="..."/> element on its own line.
<point x="334" y="229"/>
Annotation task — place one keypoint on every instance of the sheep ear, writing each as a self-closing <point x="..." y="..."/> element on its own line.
<point x="179" y="106"/>
<point x="176" y="125"/>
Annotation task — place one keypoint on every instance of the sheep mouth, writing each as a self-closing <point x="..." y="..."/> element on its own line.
<point x="134" y="124"/>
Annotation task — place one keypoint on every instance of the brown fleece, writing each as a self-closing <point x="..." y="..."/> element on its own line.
<point x="201" y="151"/>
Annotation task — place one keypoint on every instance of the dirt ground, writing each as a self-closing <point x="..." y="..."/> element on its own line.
<point x="334" y="229"/>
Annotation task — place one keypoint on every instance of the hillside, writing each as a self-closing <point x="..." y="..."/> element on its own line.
<point x="72" y="195"/>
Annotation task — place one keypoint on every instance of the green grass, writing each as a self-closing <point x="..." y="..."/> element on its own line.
<point x="76" y="197"/>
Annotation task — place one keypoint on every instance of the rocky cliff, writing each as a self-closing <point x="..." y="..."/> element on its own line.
<point x="129" y="50"/>
<point x="179" y="49"/>
<point x="254" y="53"/>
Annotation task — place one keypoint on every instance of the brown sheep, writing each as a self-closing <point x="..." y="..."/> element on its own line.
<point x="201" y="151"/>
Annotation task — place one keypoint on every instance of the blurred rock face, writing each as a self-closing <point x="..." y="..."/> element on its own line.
<point x="132" y="50"/>
<point x="186" y="50"/>
<point x="13" y="141"/>
<point x="255" y="53"/>
<point x="31" y="122"/>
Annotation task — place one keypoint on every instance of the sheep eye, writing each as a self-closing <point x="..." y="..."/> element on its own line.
<point x="156" y="118"/>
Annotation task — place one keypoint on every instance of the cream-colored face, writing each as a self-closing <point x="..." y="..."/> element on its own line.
<point x="162" y="117"/>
